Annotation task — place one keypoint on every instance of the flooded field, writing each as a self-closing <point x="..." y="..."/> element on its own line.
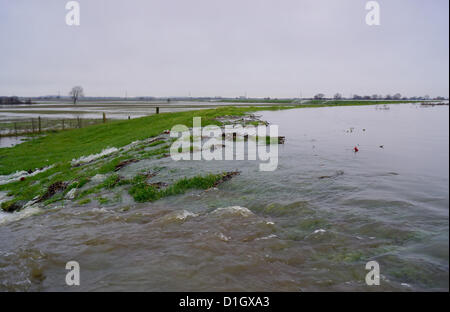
<point x="11" y="141"/>
<point x="23" y="118"/>
<point x="311" y="225"/>
<point x="91" y="110"/>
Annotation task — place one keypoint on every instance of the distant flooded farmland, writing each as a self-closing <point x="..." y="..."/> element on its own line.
<point x="23" y="118"/>
<point x="91" y="110"/>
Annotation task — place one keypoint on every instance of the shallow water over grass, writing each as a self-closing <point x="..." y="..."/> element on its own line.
<point x="11" y="141"/>
<point x="310" y="225"/>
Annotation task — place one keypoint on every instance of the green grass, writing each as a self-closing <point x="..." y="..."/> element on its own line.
<point x="142" y="192"/>
<point x="275" y="101"/>
<point x="84" y="201"/>
<point x="103" y="201"/>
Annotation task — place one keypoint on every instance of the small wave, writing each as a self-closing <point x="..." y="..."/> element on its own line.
<point x="179" y="216"/>
<point x="233" y="210"/>
<point x="267" y="237"/>
<point x="7" y="217"/>
<point x="99" y="210"/>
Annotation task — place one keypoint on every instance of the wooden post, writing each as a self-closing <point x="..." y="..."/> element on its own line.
<point x="39" y="123"/>
<point x="157" y="110"/>
<point x="78" y="122"/>
<point x="32" y="125"/>
<point x="104" y="117"/>
<point x="128" y="117"/>
<point x="63" y="124"/>
<point x="15" y="128"/>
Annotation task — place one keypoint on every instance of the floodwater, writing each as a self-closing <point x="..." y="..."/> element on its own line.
<point x="95" y="110"/>
<point x="11" y="141"/>
<point x="310" y="225"/>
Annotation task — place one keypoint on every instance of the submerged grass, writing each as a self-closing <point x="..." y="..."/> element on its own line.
<point x="143" y="192"/>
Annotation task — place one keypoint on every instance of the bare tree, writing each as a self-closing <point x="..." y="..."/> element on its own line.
<point x="76" y="93"/>
<point x="338" y="96"/>
<point x="319" y="96"/>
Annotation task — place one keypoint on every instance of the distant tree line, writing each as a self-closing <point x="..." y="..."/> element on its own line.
<point x="396" y="96"/>
<point x="8" y="100"/>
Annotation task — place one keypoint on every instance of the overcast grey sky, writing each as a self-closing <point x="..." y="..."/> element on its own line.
<point x="275" y="48"/>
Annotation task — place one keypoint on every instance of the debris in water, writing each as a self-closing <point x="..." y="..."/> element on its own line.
<point x="124" y="163"/>
<point x="12" y="206"/>
<point x="226" y="176"/>
<point x="53" y="189"/>
<point x="159" y="185"/>
<point x="338" y="173"/>
<point x="356" y="149"/>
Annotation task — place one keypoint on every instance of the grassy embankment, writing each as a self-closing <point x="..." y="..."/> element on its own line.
<point x="60" y="148"/>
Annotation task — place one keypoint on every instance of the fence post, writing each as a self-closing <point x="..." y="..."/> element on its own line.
<point x="104" y="117"/>
<point x="78" y="121"/>
<point x="15" y="128"/>
<point x="32" y="125"/>
<point x="128" y="117"/>
<point x="63" y="124"/>
<point x="39" y="123"/>
<point x="157" y="110"/>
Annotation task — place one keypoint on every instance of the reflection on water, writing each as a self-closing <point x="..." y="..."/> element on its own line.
<point x="310" y="225"/>
<point x="10" y="141"/>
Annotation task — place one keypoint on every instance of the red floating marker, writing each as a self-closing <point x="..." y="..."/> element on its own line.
<point x="356" y="149"/>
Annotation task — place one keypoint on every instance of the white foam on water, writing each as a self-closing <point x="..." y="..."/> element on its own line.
<point x="233" y="210"/>
<point x="7" y="217"/>
<point x="319" y="231"/>
<point x="98" y="178"/>
<point x="405" y="284"/>
<point x="92" y="157"/>
<point x="71" y="194"/>
<point x="267" y="237"/>
<point x="16" y="176"/>
<point x="184" y="214"/>
<point x="100" y="210"/>
<point x="178" y="216"/>
<point x="223" y="237"/>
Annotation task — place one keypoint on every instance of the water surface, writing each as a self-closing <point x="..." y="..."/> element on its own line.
<point x="311" y="225"/>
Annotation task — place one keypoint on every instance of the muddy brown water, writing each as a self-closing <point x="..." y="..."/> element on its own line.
<point x="311" y="225"/>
